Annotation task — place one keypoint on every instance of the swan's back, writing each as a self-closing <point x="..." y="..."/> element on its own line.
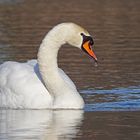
<point x="21" y="87"/>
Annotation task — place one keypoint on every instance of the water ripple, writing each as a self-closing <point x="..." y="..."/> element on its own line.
<point x="117" y="99"/>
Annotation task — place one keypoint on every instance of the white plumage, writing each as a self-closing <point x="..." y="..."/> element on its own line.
<point x="21" y="87"/>
<point x="40" y="84"/>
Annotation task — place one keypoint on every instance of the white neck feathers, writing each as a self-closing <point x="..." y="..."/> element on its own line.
<point x="47" y="60"/>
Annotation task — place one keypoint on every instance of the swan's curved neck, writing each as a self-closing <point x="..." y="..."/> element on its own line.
<point x="58" y="84"/>
<point x="47" y="60"/>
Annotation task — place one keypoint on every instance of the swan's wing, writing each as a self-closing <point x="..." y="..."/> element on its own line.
<point x="32" y="62"/>
<point x="20" y="87"/>
<point x="67" y="79"/>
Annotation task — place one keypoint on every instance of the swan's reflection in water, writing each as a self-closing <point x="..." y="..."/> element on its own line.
<point x="39" y="124"/>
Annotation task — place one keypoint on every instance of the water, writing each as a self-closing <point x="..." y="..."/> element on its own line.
<point x="118" y="99"/>
<point x="67" y="125"/>
<point x="111" y="90"/>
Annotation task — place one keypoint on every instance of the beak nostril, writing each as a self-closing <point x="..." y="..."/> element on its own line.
<point x="90" y="47"/>
<point x="91" y="42"/>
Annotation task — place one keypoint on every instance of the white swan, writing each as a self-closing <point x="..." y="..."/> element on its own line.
<point x="25" y="85"/>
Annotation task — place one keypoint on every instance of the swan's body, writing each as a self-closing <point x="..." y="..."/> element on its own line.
<point x="41" y="84"/>
<point x="20" y="87"/>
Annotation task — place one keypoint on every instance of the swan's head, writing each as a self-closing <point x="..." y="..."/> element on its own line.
<point x="74" y="35"/>
<point x="79" y="37"/>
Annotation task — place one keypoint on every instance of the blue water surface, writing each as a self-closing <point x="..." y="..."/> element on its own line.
<point x="117" y="99"/>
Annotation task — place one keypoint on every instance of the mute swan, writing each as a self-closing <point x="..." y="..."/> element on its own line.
<point x="41" y="84"/>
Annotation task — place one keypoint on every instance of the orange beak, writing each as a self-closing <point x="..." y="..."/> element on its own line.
<point x="88" y="49"/>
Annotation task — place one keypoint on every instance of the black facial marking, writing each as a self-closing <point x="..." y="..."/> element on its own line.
<point x="90" y="44"/>
<point x="87" y="38"/>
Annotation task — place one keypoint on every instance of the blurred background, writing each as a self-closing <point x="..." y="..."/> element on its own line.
<point x="114" y="26"/>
